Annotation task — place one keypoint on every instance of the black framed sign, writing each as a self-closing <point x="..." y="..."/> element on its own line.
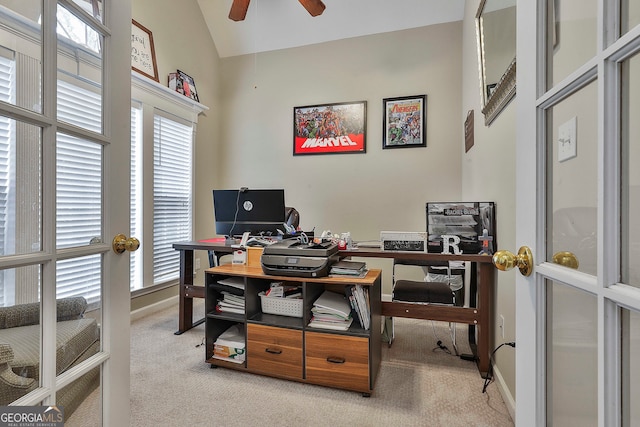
<point x="404" y="122"/>
<point x="330" y="128"/>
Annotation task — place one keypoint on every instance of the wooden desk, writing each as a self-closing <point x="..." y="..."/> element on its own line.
<point x="480" y="316"/>
<point x="188" y="290"/>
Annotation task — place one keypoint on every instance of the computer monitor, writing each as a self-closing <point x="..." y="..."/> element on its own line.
<point x="256" y="211"/>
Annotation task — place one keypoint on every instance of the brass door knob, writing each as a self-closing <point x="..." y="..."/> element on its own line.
<point x="505" y="260"/>
<point x="566" y="259"/>
<point x="123" y="243"/>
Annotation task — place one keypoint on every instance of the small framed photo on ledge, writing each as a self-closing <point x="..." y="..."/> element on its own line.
<point x="404" y="122"/>
<point x="188" y="85"/>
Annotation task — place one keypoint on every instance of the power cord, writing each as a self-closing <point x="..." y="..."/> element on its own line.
<point x="489" y="378"/>
<point x="442" y="347"/>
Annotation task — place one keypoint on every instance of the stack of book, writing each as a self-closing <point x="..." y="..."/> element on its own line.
<point x="358" y="297"/>
<point x="231" y="298"/>
<point x="349" y="268"/>
<point x="331" y="311"/>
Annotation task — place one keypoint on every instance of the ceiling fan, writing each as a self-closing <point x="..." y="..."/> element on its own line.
<point x="239" y="8"/>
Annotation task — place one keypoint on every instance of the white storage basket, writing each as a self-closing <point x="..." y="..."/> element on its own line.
<point x="291" y="307"/>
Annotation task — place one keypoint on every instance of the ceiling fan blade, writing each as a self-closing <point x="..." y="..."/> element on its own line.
<point x="238" y="10"/>
<point x="314" y="7"/>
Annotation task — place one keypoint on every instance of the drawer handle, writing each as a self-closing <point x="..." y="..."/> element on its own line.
<point x="335" y="359"/>
<point x="273" y="350"/>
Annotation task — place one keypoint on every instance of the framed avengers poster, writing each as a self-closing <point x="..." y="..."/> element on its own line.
<point x="330" y="128"/>
<point x="404" y="122"/>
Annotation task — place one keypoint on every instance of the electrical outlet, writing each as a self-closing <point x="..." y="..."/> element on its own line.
<point x="197" y="263"/>
<point x="502" y="326"/>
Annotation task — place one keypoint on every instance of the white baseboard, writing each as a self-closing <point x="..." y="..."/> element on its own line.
<point x="152" y="308"/>
<point x="505" y="393"/>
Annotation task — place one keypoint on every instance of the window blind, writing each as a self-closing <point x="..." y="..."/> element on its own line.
<point x="135" y="269"/>
<point x="172" y="201"/>
<point x="78" y="192"/>
<point x="6" y="132"/>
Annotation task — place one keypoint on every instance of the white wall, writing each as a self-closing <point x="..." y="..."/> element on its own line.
<point x="359" y="193"/>
<point x="488" y="174"/>
<point x="182" y="41"/>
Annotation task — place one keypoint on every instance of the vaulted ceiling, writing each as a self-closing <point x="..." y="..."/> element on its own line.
<point x="280" y="24"/>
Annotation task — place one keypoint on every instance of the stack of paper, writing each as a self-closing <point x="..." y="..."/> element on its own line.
<point x="231" y="299"/>
<point x="230" y="303"/>
<point x="230" y="345"/>
<point x="358" y="297"/>
<point x="349" y="268"/>
<point x="331" y="311"/>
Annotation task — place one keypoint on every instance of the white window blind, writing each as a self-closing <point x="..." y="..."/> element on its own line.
<point x="6" y="136"/>
<point x="79" y="192"/>
<point x="135" y="269"/>
<point x="172" y="201"/>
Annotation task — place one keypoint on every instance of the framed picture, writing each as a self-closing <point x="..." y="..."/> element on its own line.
<point x="404" y="122"/>
<point x="188" y="86"/>
<point x="330" y="128"/>
<point x="143" y="53"/>
<point x="465" y="222"/>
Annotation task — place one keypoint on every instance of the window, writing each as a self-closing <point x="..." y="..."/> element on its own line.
<point x="163" y="127"/>
<point x="172" y="143"/>
<point x="171" y="186"/>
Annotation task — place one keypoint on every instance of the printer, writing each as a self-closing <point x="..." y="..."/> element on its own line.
<point x="291" y="257"/>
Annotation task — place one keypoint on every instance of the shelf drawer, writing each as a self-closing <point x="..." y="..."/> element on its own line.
<point x="338" y="361"/>
<point x="274" y="351"/>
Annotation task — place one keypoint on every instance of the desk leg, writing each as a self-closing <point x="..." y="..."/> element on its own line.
<point x="485" y="329"/>
<point x="185" y="315"/>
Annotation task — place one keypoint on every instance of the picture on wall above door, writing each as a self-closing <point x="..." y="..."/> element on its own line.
<point x="404" y="122"/>
<point x="330" y="128"/>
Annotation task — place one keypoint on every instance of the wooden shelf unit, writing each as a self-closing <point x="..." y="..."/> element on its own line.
<point x="286" y="347"/>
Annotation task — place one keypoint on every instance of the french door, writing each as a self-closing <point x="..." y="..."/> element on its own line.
<point x="577" y="207"/>
<point x="64" y="135"/>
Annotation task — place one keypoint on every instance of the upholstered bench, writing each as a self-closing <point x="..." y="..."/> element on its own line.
<point x="77" y="338"/>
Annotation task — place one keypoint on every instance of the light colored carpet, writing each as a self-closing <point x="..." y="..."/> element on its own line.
<point x="171" y="385"/>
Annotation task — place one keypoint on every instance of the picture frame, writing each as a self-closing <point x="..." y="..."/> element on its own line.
<point x="404" y="122"/>
<point x="143" y="53"/>
<point x="465" y="220"/>
<point x="336" y="128"/>
<point x="188" y="86"/>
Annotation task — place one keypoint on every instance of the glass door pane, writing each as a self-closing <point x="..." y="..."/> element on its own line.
<point x="571" y="38"/>
<point x="21" y="53"/>
<point x="630" y="180"/>
<point x="630" y="368"/>
<point x="572" y="179"/>
<point x="572" y="380"/>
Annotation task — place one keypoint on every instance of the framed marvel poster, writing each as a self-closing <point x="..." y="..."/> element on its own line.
<point x="330" y="128"/>
<point x="404" y="122"/>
